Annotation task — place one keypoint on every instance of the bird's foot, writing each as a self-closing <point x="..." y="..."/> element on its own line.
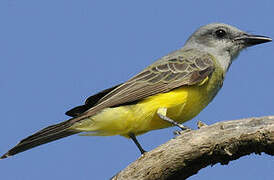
<point x="200" y="124"/>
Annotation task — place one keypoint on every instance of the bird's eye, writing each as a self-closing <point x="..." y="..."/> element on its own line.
<point x="220" y="33"/>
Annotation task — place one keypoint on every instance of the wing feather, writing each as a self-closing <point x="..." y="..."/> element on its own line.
<point x="160" y="77"/>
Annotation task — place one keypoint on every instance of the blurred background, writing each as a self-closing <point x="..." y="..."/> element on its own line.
<point x="56" y="53"/>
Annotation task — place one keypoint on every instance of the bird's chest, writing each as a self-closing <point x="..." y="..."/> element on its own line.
<point x="196" y="99"/>
<point x="182" y="104"/>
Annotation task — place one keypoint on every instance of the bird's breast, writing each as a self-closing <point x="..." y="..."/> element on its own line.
<point x="182" y="104"/>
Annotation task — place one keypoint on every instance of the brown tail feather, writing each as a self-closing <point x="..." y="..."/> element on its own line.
<point x="43" y="136"/>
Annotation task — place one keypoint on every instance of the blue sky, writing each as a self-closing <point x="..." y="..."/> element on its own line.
<point x="55" y="53"/>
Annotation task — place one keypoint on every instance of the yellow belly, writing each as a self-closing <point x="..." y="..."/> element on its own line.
<point x="182" y="105"/>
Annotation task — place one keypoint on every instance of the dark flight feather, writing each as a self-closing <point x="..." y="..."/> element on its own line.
<point x="89" y="103"/>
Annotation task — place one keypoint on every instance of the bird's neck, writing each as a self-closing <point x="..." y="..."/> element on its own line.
<point x="224" y="59"/>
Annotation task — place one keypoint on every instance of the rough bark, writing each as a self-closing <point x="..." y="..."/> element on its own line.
<point x="193" y="150"/>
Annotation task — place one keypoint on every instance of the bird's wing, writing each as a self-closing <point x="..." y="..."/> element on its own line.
<point x="162" y="76"/>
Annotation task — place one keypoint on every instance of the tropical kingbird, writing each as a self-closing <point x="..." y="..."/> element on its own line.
<point x="171" y="91"/>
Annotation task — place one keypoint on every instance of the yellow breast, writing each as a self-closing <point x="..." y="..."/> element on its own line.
<point x="182" y="105"/>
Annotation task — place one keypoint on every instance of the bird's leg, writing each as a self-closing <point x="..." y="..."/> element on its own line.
<point x="161" y="112"/>
<point x="133" y="137"/>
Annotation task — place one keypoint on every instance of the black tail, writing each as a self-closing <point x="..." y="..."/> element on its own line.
<point x="43" y="136"/>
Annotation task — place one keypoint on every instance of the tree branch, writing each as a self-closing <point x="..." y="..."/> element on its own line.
<point x="191" y="151"/>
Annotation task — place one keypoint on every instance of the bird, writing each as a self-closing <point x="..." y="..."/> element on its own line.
<point x="169" y="92"/>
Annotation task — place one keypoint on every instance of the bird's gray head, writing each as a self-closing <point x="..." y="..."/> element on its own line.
<point x="223" y="41"/>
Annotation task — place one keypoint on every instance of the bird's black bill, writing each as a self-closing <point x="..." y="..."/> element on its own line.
<point x="251" y="40"/>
